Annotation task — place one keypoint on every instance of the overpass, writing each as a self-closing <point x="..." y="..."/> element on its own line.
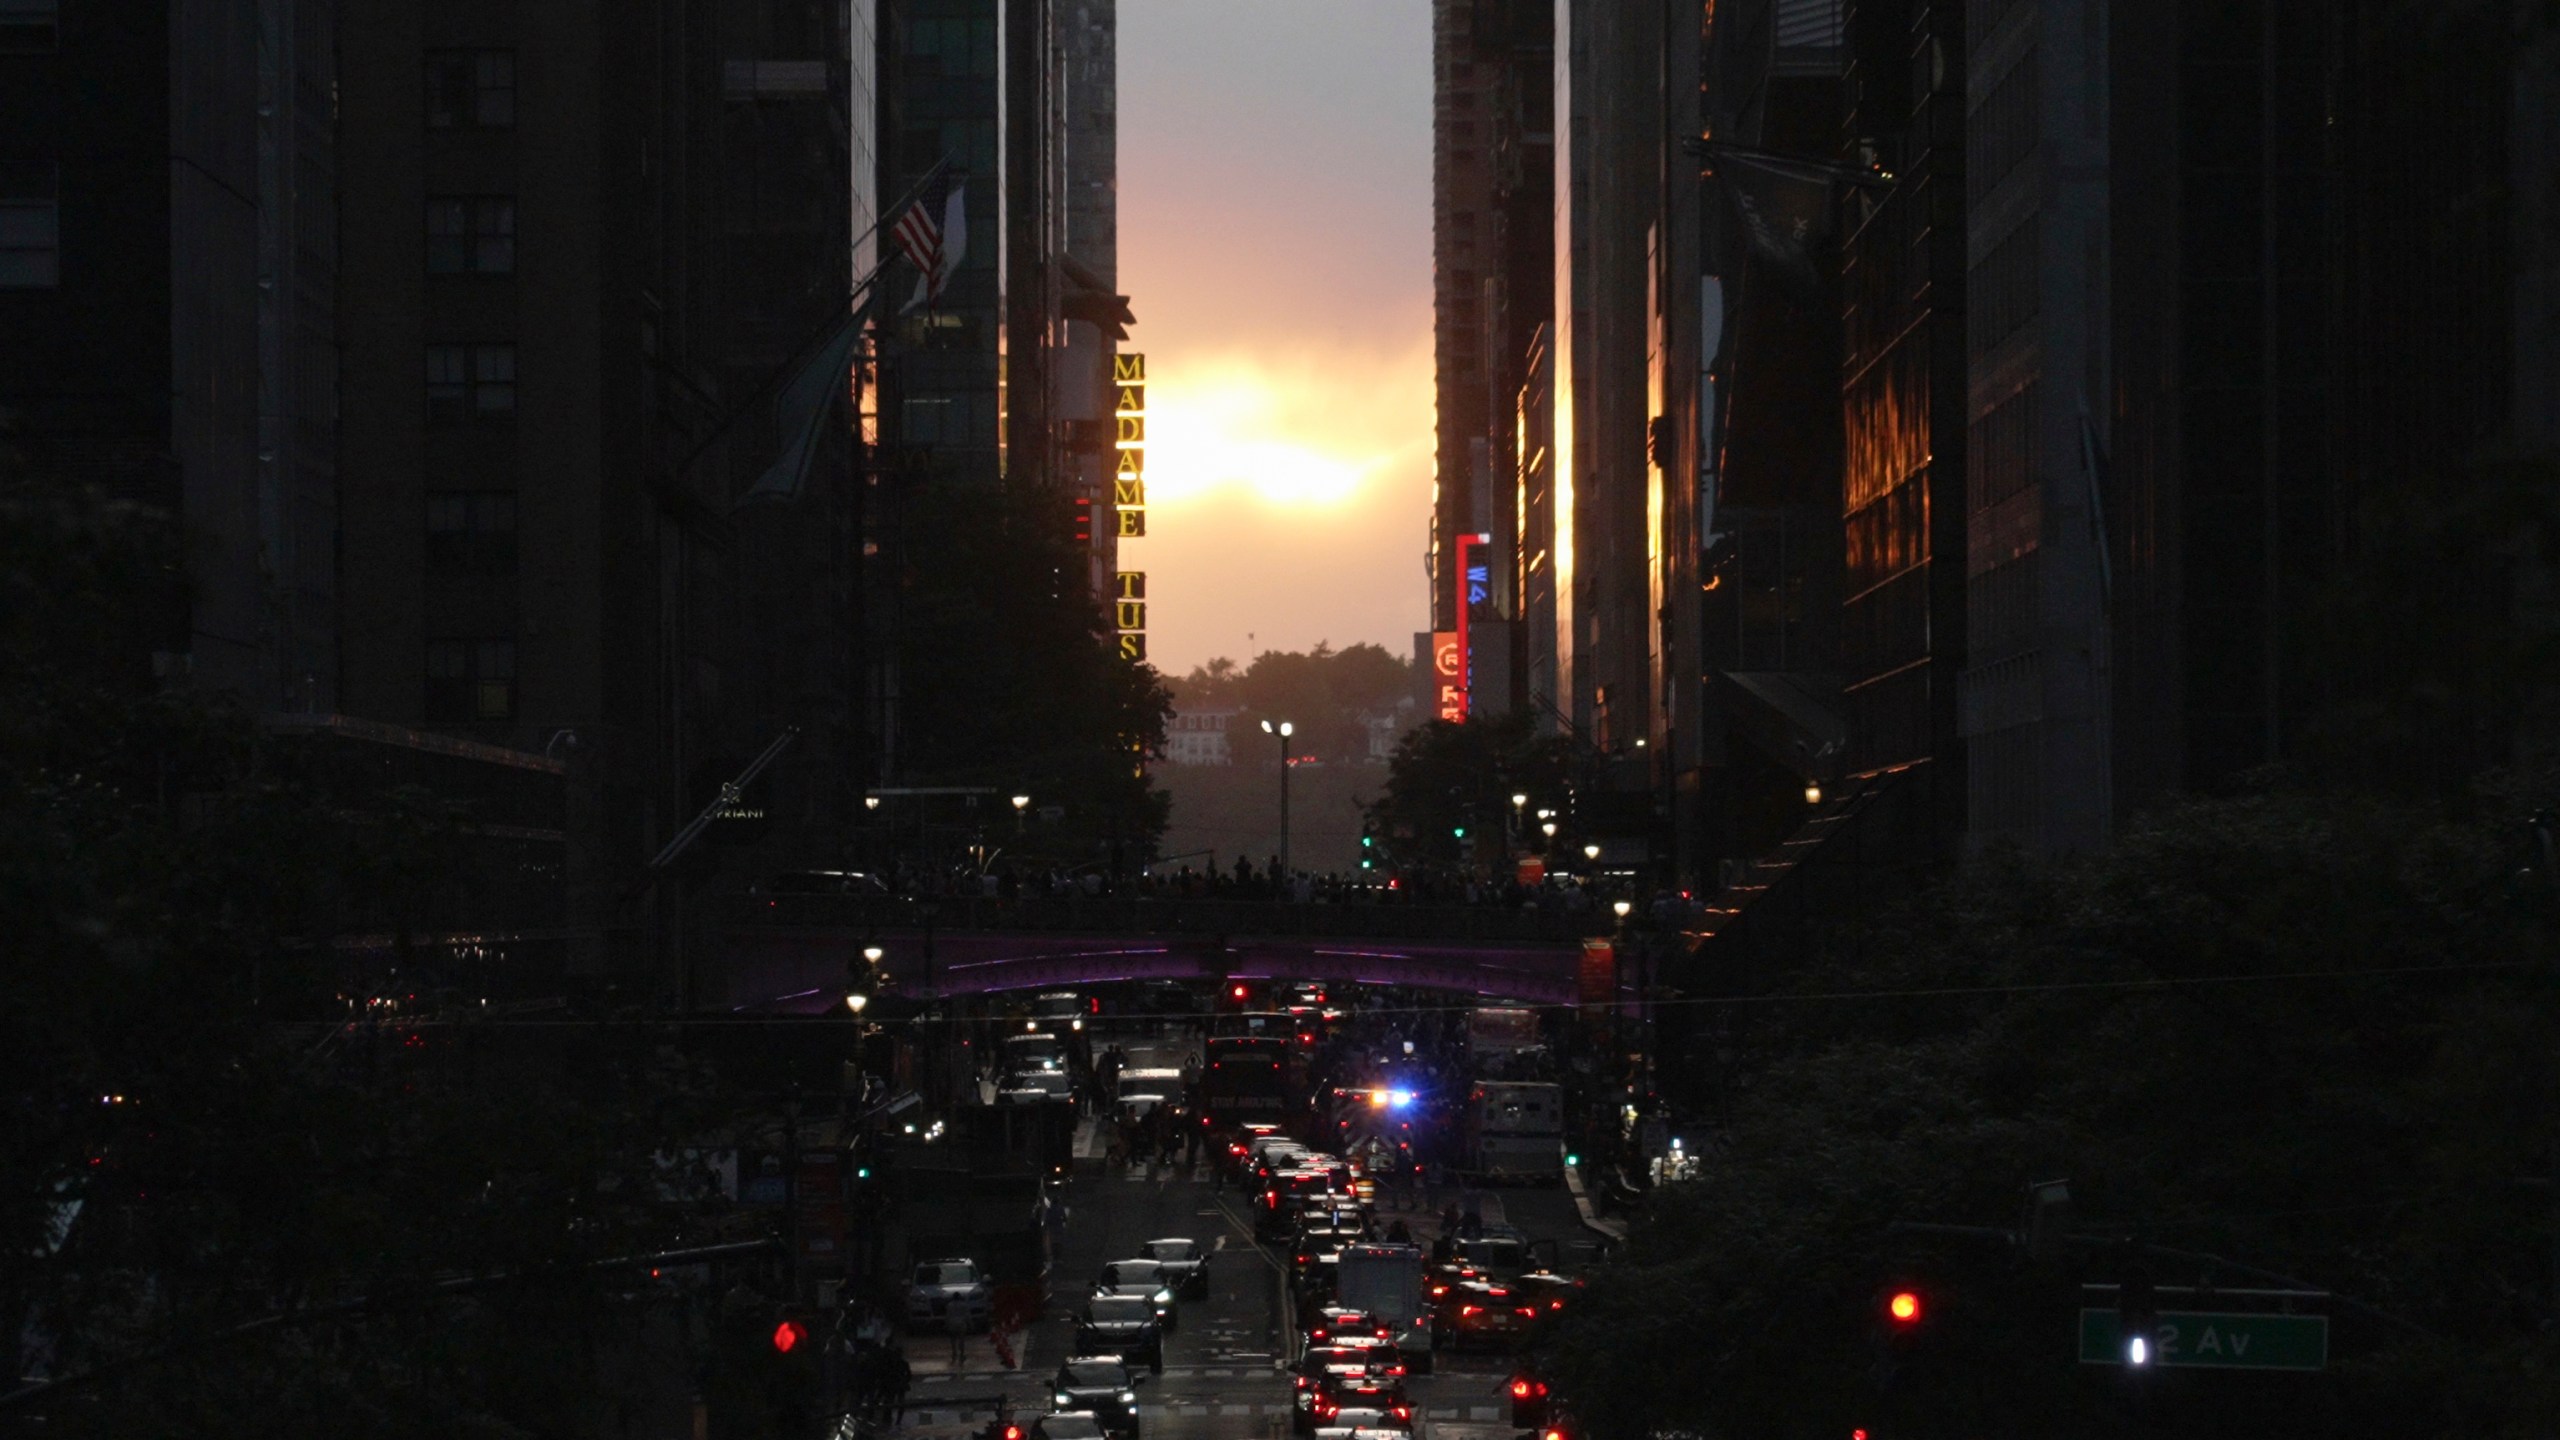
<point x="786" y="948"/>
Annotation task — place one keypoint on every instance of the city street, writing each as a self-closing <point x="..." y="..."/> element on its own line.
<point x="1223" y="1362"/>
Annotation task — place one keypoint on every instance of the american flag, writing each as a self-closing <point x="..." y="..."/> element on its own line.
<point x="934" y="234"/>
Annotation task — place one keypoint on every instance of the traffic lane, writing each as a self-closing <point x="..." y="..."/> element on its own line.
<point x="1221" y="1375"/>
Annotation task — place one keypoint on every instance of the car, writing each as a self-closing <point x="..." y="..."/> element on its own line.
<point x="1478" y="1314"/>
<point x="1068" y="1425"/>
<point x="1351" y="1402"/>
<point x="1324" y="1323"/>
<point x="940" y="1286"/>
<point x="1123" y="1325"/>
<point x="1325" y="1374"/>
<point x="1363" y="1432"/>
<point x="1185" y="1261"/>
<point x="1371" y="1423"/>
<point x="1145" y="1279"/>
<point x="1103" y="1386"/>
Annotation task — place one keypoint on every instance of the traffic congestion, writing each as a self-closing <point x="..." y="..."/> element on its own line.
<point x="1280" y="1208"/>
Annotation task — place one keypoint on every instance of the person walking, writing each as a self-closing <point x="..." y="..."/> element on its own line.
<point x="955" y="1323"/>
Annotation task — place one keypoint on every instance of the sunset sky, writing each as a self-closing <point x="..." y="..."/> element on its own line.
<point x="1275" y="239"/>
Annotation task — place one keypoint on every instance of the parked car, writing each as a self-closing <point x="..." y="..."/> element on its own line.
<point x="940" y="1286"/>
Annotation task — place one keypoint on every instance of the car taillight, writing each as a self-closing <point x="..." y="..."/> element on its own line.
<point x="1555" y="1304"/>
<point x="1470" y="1309"/>
<point x="1404" y="1412"/>
<point x="1519" y="1389"/>
<point x="1530" y="1311"/>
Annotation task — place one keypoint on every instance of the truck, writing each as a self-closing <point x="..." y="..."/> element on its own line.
<point x="1386" y="1281"/>
<point x="1515" y="1131"/>
<point x="1500" y="1031"/>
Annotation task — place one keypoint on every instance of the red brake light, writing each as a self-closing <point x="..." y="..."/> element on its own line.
<point x="1904" y="1307"/>
<point x="1470" y="1309"/>
<point x="1519" y="1389"/>
<point x="1552" y="1435"/>
<point x="1237" y="992"/>
<point x="1013" y="1432"/>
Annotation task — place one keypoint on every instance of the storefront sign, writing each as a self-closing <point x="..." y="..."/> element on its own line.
<point x="1447" y="669"/>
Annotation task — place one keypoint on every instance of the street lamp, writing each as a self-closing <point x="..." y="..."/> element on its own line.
<point x="1591" y="851"/>
<point x="1813" y="792"/>
<point x="1547" y="828"/>
<point x="1020" y="804"/>
<point x="855" y="1001"/>
<point x="1282" y="732"/>
<point x="1623" y="907"/>
<point x="1519" y="809"/>
<point x="870" y="802"/>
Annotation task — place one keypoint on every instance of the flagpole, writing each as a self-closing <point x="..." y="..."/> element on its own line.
<point x="855" y="300"/>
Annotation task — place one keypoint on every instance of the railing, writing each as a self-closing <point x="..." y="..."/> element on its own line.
<point x="1157" y="915"/>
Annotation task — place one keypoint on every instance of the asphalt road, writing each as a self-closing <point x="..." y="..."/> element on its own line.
<point x="1222" y="1378"/>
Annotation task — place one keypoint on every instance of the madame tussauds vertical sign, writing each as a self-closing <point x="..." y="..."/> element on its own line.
<point x="1129" y="497"/>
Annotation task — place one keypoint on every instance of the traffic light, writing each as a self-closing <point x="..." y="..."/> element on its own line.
<point x="1903" y="1309"/>
<point x="789" y="1335"/>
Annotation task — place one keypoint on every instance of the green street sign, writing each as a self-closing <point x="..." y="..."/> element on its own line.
<point x="2208" y="1340"/>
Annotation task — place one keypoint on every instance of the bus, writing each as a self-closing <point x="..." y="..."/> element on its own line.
<point x="1244" y="1077"/>
<point x="1515" y="1131"/>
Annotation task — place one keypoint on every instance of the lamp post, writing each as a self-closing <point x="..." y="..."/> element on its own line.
<point x="1282" y="732"/>
<point x="1519" y="813"/>
<point x="1020" y="804"/>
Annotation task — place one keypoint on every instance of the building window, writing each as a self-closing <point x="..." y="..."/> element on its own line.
<point x="471" y="532"/>
<point x="30" y="227"/>
<point x="468" y="89"/>
<point x="468" y="382"/>
<point x="471" y="679"/>
<point x="471" y="235"/>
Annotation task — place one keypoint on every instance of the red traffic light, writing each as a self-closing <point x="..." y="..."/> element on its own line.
<point x="1519" y="1389"/>
<point x="1904" y="1307"/>
<point x="1239" y="992"/>
<point x="788" y="1335"/>
<point x="1013" y="1432"/>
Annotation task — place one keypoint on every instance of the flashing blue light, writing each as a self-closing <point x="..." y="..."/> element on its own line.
<point x="1399" y="1099"/>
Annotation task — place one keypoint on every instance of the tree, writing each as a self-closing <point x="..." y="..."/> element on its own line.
<point x="1447" y="776"/>
<point x="2311" y="1033"/>
<point x="1010" y="677"/>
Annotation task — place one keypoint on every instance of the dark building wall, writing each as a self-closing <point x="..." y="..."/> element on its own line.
<point x="180" y="350"/>
<point x="1465" y="252"/>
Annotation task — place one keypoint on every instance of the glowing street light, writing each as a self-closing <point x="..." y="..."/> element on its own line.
<point x="1591" y="851"/>
<point x="1813" y="792"/>
<point x="855" y="1001"/>
<point x="870" y="802"/>
<point x="1623" y="907"/>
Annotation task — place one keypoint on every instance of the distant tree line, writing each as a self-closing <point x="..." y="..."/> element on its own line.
<point x="1328" y="696"/>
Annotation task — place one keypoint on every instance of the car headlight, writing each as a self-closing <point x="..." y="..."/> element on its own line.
<point x="1065" y="1400"/>
<point x="1128" y="1397"/>
<point x="1164" y="1297"/>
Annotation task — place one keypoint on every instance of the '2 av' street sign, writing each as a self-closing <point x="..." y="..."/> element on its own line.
<point x="2215" y="1341"/>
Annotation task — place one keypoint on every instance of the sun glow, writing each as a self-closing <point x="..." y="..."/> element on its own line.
<point x="1288" y="435"/>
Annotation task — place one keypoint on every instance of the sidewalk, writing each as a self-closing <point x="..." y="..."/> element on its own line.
<point x="929" y="1354"/>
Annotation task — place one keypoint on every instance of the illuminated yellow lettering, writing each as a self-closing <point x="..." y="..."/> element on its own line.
<point x="1133" y="646"/>
<point x="1132" y="401"/>
<point x="1128" y="369"/>
<point x="1133" y="430"/>
<point x="1133" y="524"/>
<point x="1126" y="493"/>
<point x="1133" y="584"/>
<point x="1133" y="463"/>
<point x="1131" y="614"/>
